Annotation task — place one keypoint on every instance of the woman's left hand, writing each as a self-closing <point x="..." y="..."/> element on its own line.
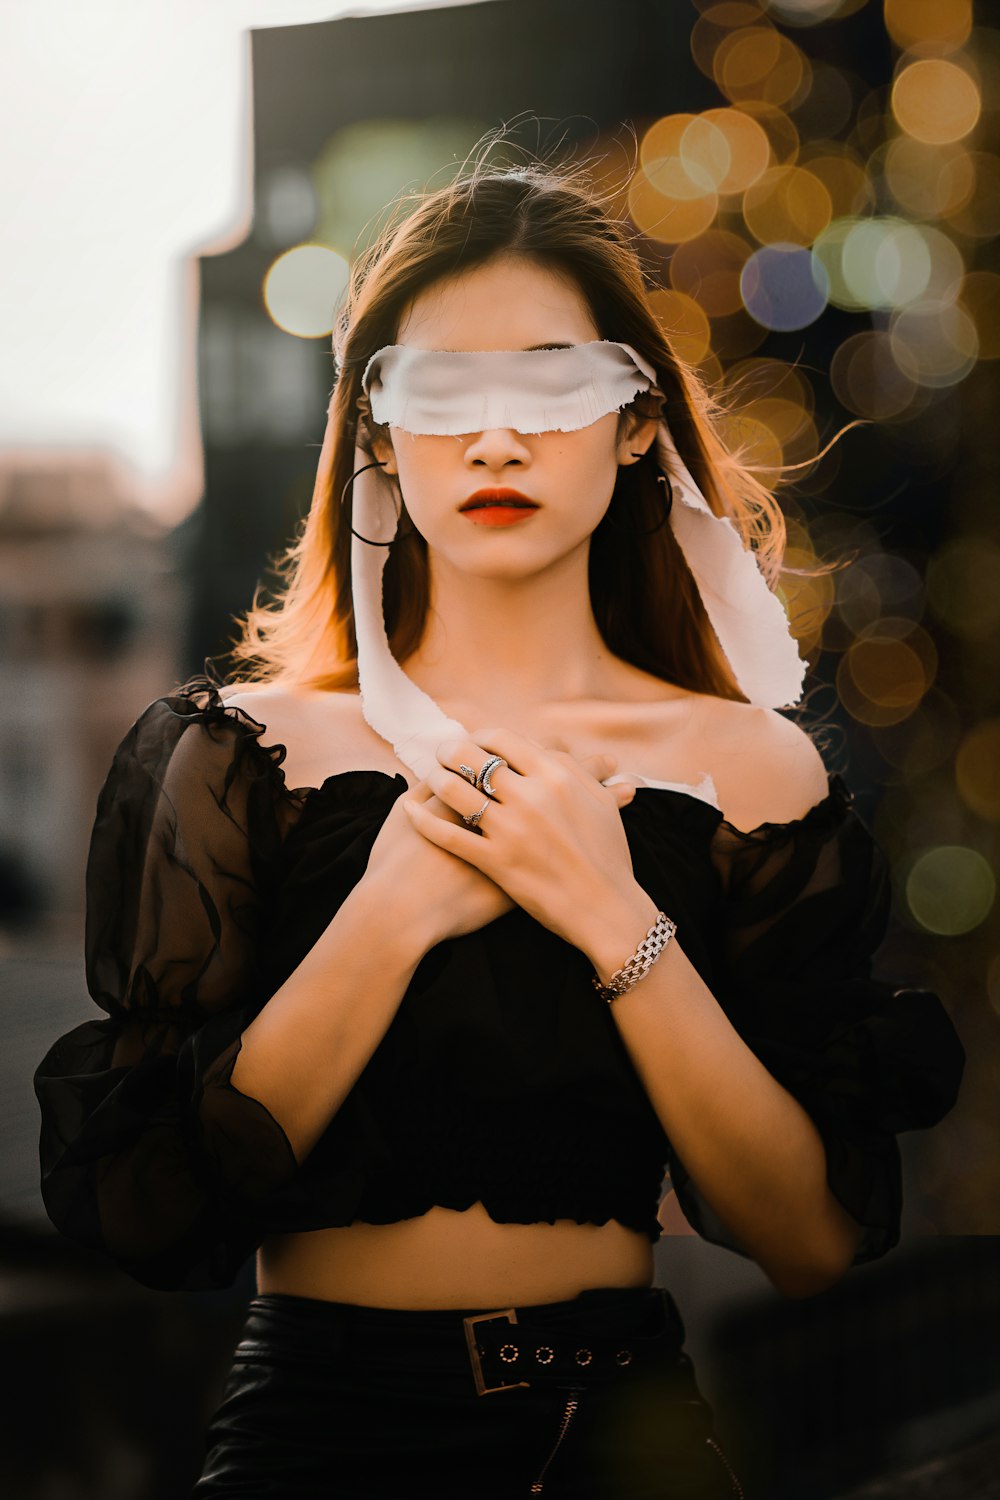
<point x="551" y="836"/>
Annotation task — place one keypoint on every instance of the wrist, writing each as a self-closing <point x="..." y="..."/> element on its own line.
<point x="613" y="937"/>
<point x="400" y="934"/>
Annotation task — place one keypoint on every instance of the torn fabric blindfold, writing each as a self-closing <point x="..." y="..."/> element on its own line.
<point x="530" y="390"/>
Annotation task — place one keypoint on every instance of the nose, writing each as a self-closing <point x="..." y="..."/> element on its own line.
<point x="495" y="447"/>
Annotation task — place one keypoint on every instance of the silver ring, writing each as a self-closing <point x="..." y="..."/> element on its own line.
<point x="472" y="820"/>
<point x="468" y="773"/>
<point x="483" y="779"/>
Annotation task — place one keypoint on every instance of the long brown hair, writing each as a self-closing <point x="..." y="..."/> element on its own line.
<point x="644" y="598"/>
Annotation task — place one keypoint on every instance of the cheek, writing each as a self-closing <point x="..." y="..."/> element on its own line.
<point x="588" y="470"/>
<point x="425" y="464"/>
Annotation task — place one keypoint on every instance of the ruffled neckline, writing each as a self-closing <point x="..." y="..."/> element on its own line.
<point x="362" y="779"/>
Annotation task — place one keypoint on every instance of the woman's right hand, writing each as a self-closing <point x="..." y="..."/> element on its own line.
<point x="438" y="893"/>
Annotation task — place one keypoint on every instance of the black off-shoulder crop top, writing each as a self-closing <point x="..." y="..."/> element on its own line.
<point x="502" y="1077"/>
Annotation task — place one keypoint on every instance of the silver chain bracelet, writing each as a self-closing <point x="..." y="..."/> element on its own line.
<point x="640" y="962"/>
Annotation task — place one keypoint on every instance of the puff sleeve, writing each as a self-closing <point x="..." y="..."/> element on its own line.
<point x="804" y="908"/>
<point x="148" y="1153"/>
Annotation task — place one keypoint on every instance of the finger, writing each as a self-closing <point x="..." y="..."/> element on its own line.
<point x="600" y="765"/>
<point x="622" y="793"/>
<point x="588" y="768"/>
<point x="424" y="795"/>
<point x="451" y="756"/>
<point x="521" y="753"/>
<point x="455" y="838"/>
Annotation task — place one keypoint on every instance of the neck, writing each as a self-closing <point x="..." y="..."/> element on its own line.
<point x="512" y="642"/>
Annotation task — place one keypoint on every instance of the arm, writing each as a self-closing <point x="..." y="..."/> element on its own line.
<point x="336" y="1006"/>
<point x="149" y="1152"/>
<point x="751" y="1148"/>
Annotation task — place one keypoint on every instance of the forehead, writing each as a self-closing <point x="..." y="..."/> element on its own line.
<point x="510" y="302"/>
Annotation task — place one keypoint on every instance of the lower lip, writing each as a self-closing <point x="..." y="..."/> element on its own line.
<point x="499" y="515"/>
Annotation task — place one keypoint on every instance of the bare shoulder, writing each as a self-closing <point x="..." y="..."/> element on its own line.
<point x="324" y="733"/>
<point x="766" y="768"/>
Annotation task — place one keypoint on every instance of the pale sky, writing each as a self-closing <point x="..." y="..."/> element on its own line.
<point x="127" y="151"/>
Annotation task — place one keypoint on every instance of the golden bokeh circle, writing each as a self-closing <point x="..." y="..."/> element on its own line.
<point x="935" y="100"/>
<point x="843" y="174"/>
<point x="757" y="62"/>
<point x="749" y="148"/>
<point x="708" y="268"/>
<point x="787" y="205"/>
<point x="927" y="181"/>
<point x="963" y="586"/>
<point x="685" y="324"/>
<point x="941" y="22"/>
<point x="669" y="220"/>
<point x="977" y="769"/>
<point x="781" y="131"/>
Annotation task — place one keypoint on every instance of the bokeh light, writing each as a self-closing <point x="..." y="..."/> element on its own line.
<point x="715" y="24"/>
<point x="935" y="101"/>
<point x="748" y="148"/>
<point x="673" y="196"/>
<point x="753" y="442"/>
<point x="782" y="133"/>
<point x="980" y="296"/>
<point x="963" y="586"/>
<point x="868" y="381"/>
<point x="708" y="268"/>
<point x="807" y="596"/>
<point x="826" y="105"/>
<point x="302" y="288"/>
<point x="887" y="262"/>
<point x="784" y="287"/>
<point x="787" y="204"/>
<point x="950" y="890"/>
<point x="977" y="770"/>
<point x="685" y="323"/>
<point x="811" y="12"/>
<point x="879" y="587"/>
<point x="978" y="218"/>
<point x="934" y="343"/>
<point x="885" y="672"/>
<point x="944" y="23"/>
<point x="927" y="181"/>
<point x="925" y="740"/>
<point x="757" y="62"/>
<point x="843" y="174"/>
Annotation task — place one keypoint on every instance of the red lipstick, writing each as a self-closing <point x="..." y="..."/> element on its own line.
<point x="498" y="506"/>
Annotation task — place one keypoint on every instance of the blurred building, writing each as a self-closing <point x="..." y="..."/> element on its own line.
<point x="90" y="619"/>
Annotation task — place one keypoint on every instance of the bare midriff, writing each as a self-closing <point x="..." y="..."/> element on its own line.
<point x="447" y="1258"/>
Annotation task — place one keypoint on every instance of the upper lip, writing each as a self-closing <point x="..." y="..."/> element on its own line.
<point x="496" y="495"/>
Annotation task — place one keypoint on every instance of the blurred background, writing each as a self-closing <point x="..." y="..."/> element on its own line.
<point x="815" y="189"/>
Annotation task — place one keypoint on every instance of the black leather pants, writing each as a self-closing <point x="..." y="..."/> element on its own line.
<point x="333" y="1400"/>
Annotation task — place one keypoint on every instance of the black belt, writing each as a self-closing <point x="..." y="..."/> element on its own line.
<point x="505" y="1353"/>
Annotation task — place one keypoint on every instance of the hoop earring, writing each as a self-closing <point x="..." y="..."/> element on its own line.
<point x="663" y="479"/>
<point x="376" y="464"/>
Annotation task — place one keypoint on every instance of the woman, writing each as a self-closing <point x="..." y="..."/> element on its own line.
<point x="419" y="998"/>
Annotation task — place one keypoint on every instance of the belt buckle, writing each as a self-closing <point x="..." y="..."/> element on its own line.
<point x="482" y="1389"/>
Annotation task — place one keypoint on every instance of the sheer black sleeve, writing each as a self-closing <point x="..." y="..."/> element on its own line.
<point x="148" y="1152"/>
<point x="805" y="905"/>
